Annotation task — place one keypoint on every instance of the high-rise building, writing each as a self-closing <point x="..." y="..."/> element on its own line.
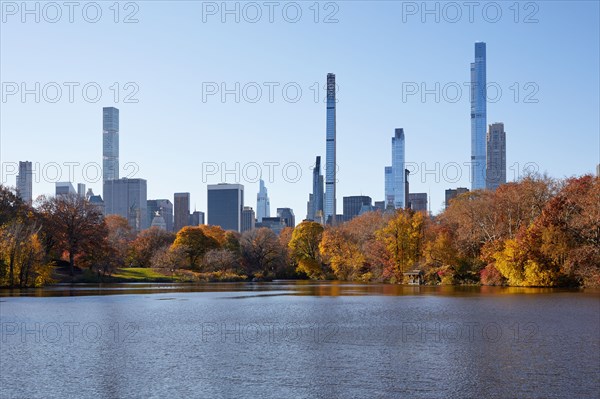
<point x="418" y="201"/>
<point x="81" y="190"/>
<point x="263" y="205"/>
<point x="128" y="198"/>
<point x="330" y="167"/>
<point x="165" y="208"/>
<point x="196" y="218"/>
<point x="453" y="193"/>
<point x="406" y="188"/>
<point x="276" y="224"/>
<point x="225" y="204"/>
<point x="25" y="182"/>
<point x="97" y="202"/>
<point x="398" y="171"/>
<point x="354" y="204"/>
<point x="287" y="215"/>
<point x="315" y="202"/>
<point x="110" y="144"/>
<point x="379" y="205"/>
<point x="495" y="172"/>
<point x="478" y="117"/>
<point x="248" y="219"/>
<point x="64" y="188"/>
<point x="181" y="203"/>
<point x="389" y="187"/>
<point x="158" y="221"/>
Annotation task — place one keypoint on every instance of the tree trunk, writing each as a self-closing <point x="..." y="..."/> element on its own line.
<point x="71" y="261"/>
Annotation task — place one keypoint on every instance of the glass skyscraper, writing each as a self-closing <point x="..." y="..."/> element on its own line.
<point x="398" y="174"/>
<point x="315" y="203"/>
<point x="496" y="156"/>
<point x="330" y="166"/>
<point x="263" y="205"/>
<point x="225" y="205"/>
<point x="389" y="187"/>
<point x="478" y="117"/>
<point x="25" y="182"/>
<point x="110" y="143"/>
<point x="128" y="198"/>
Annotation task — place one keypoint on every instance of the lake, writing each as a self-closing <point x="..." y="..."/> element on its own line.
<point x="299" y="340"/>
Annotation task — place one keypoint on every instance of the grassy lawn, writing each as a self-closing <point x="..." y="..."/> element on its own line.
<point x="134" y="274"/>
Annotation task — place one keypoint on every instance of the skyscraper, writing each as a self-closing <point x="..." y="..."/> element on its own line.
<point x="110" y="144"/>
<point x="263" y="205"/>
<point x="495" y="172"/>
<point x="128" y="198"/>
<point x="248" y="219"/>
<point x="478" y="117"/>
<point x="398" y="171"/>
<point x="196" y="218"/>
<point x="389" y="187"/>
<point x="453" y="193"/>
<point x="181" y="203"/>
<point x="225" y="204"/>
<point x="330" y="175"/>
<point x="25" y="182"/>
<point x="315" y="205"/>
<point x="418" y="201"/>
<point x="81" y="190"/>
<point x="64" y="188"/>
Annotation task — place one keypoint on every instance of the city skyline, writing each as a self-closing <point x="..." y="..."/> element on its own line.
<point x="367" y="108"/>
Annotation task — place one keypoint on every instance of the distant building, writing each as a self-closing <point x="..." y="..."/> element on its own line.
<point x="418" y="202"/>
<point x="275" y="223"/>
<point x="110" y="144"/>
<point x="331" y="165"/>
<point x="389" y="187"/>
<point x="478" y="117"/>
<point x="315" y="199"/>
<point x="165" y="207"/>
<point x="159" y="221"/>
<point x="495" y="172"/>
<point x="196" y="218"/>
<point x="81" y="190"/>
<point x="396" y="180"/>
<point x="225" y="203"/>
<point x="96" y="201"/>
<point x="181" y="212"/>
<point x="128" y="198"/>
<point x="25" y="182"/>
<point x="287" y="215"/>
<point x="353" y="205"/>
<point x="453" y="193"/>
<point x="406" y="188"/>
<point x="379" y="205"/>
<point x="263" y="204"/>
<point x="248" y="219"/>
<point x="64" y="188"/>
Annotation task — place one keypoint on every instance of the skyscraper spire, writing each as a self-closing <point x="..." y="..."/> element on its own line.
<point x="330" y="167"/>
<point x="263" y="205"/>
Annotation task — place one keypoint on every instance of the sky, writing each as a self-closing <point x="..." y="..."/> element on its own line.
<point x="205" y="98"/>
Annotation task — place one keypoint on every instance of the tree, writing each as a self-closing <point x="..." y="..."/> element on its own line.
<point x="147" y="243"/>
<point x="341" y="250"/>
<point x="261" y="252"/>
<point x="304" y="249"/>
<point x="194" y="243"/>
<point x="403" y="239"/>
<point x="220" y="259"/>
<point x="120" y="236"/>
<point x="75" y="225"/>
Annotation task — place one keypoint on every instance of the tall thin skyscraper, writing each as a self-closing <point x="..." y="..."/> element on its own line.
<point x="25" y="182"/>
<point x="330" y="175"/>
<point x="315" y="206"/>
<point x="181" y="202"/>
<point x="389" y="187"/>
<point x="496" y="156"/>
<point x="110" y="143"/>
<point x="263" y="205"/>
<point x="398" y="173"/>
<point x="478" y="117"/>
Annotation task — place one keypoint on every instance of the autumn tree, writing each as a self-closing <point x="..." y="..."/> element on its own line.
<point x="340" y="249"/>
<point x="262" y="252"/>
<point x="147" y="243"/>
<point x="194" y="243"/>
<point x="304" y="249"/>
<point x="120" y="236"/>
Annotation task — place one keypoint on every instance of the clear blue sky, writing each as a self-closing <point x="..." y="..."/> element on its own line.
<point x="374" y="49"/>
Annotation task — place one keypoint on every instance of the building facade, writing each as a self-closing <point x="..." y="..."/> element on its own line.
<point x="495" y="173"/>
<point x="418" y="202"/>
<point x="287" y="215"/>
<point x="181" y="211"/>
<point x="248" y="219"/>
<point x="315" y="201"/>
<point x="25" y="182"/>
<point x="225" y="204"/>
<point x="453" y="193"/>
<point x="263" y="204"/>
<point x="110" y="144"/>
<point x="196" y="218"/>
<point x="354" y="204"/>
<point x="330" y="167"/>
<point x="276" y="224"/>
<point x="389" y="187"/>
<point x="64" y="188"/>
<point x="398" y="171"/>
<point x="478" y="117"/>
<point x="128" y="198"/>
<point x="165" y="208"/>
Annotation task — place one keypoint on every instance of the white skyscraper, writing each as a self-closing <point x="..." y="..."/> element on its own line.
<point x="263" y="206"/>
